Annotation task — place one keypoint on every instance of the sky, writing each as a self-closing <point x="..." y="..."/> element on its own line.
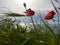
<point x="17" y="6"/>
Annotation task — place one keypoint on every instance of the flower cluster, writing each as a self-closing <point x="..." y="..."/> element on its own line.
<point x="48" y="16"/>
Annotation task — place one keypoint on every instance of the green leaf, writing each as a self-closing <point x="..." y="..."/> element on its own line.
<point x="14" y="14"/>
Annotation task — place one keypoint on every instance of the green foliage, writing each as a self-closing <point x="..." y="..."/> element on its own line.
<point x="11" y="35"/>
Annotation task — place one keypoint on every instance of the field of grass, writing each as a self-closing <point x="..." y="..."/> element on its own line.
<point x="11" y="33"/>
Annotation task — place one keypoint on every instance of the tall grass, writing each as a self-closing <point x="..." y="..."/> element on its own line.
<point x="11" y="33"/>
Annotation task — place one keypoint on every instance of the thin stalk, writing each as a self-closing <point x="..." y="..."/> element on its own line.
<point x="58" y="17"/>
<point x="32" y="22"/>
<point x="56" y="11"/>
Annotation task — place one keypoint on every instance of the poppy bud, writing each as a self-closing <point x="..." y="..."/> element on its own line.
<point x="24" y="4"/>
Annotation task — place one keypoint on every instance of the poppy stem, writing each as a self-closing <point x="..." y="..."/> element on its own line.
<point x="25" y="8"/>
<point x="33" y="22"/>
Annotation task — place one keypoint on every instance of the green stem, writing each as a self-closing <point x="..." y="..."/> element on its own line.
<point x="32" y="21"/>
<point x="56" y="11"/>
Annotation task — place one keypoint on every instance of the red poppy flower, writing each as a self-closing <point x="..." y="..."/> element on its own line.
<point x="50" y="15"/>
<point x="29" y="12"/>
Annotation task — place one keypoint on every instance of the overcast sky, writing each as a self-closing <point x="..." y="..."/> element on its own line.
<point x="17" y="5"/>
